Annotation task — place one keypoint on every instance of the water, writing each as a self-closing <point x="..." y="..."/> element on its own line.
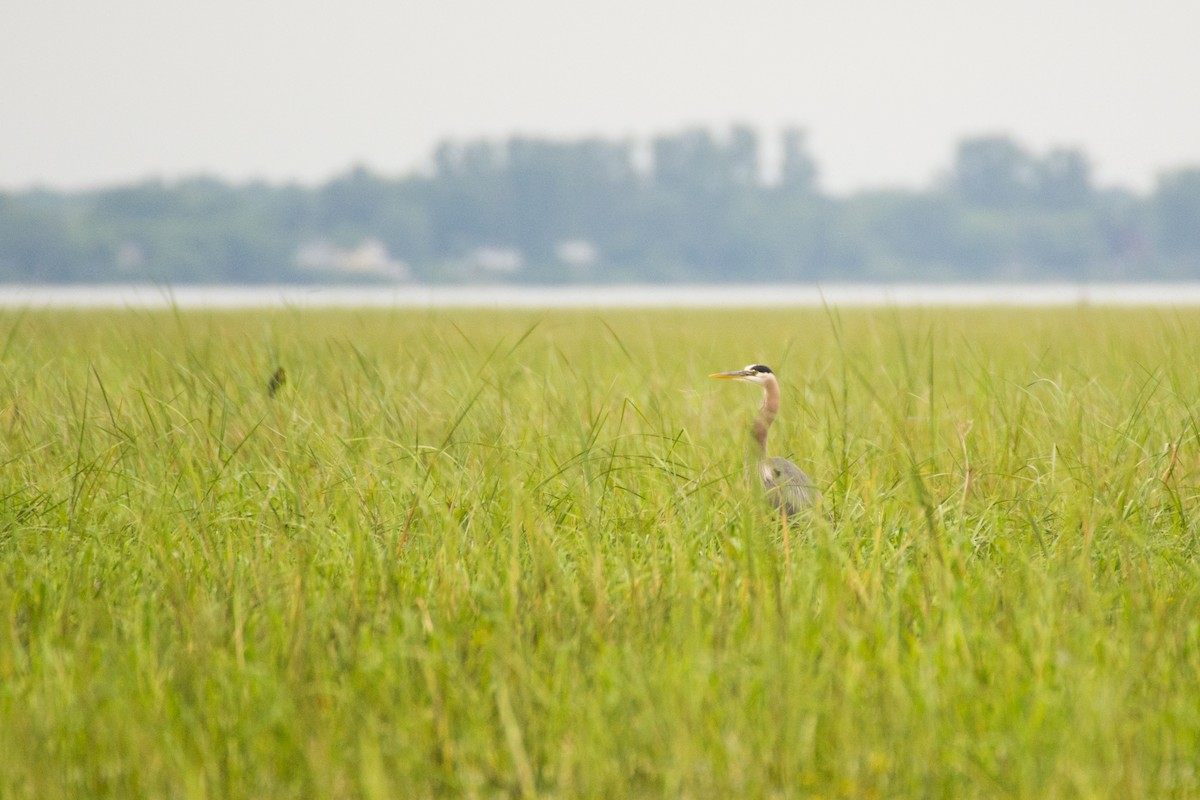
<point x="797" y="295"/>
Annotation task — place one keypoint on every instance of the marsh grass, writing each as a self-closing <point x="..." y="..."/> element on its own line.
<point x="491" y="554"/>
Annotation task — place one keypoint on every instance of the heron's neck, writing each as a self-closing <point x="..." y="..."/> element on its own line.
<point x="766" y="412"/>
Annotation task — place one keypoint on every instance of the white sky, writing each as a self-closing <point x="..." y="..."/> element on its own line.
<point x="109" y="92"/>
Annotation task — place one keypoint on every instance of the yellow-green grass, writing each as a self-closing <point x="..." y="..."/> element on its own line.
<point x="493" y="554"/>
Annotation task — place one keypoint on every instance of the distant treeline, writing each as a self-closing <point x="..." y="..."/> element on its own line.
<point x="696" y="206"/>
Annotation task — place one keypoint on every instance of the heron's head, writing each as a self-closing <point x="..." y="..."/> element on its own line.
<point x="755" y="373"/>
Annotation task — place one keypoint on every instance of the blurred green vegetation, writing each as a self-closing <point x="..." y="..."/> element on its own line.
<point x="698" y="206"/>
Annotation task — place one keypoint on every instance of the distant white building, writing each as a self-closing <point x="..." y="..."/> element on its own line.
<point x="130" y="257"/>
<point x="369" y="257"/>
<point x="577" y="253"/>
<point x="498" y="259"/>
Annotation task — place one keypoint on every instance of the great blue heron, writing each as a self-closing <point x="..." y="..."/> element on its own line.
<point x="788" y="488"/>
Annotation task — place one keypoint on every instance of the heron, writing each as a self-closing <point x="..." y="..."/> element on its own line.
<point x="788" y="488"/>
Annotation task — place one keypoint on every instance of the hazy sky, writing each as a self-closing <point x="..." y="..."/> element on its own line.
<point x="121" y="90"/>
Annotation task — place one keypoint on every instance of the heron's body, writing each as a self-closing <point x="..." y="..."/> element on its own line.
<point x="787" y="487"/>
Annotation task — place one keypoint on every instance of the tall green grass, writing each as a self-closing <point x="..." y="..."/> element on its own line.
<point x="493" y="554"/>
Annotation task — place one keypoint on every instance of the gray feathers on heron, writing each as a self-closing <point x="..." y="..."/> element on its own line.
<point x="787" y="487"/>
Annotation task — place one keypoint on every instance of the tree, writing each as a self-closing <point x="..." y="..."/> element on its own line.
<point x="797" y="170"/>
<point x="1063" y="179"/>
<point x="38" y="244"/>
<point x="1176" y="204"/>
<point x="993" y="172"/>
<point x="697" y="161"/>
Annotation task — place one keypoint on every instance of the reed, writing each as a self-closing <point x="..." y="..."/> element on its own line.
<point x="491" y="554"/>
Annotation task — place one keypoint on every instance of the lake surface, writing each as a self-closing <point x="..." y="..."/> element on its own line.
<point x="793" y="295"/>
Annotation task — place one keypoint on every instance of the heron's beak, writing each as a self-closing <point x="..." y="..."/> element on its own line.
<point x="732" y="376"/>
